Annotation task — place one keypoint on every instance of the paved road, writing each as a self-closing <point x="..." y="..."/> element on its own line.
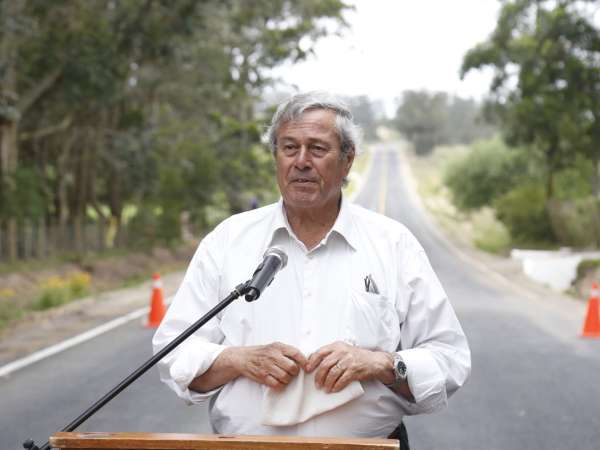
<point x="534" y="383"/>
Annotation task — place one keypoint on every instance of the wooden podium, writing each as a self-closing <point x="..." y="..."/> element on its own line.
<point x="174" y="441"/>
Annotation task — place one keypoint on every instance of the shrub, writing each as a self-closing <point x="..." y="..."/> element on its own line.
<point x="523" y="211"/>
<point x="574" y="182"/>
<point x="576" y="222"/>
<point x="55" y="292"/>
<point x="485" y="173"/>
<point x="585" y="266"/>
<point x="489" y="234"/>
<point x="79" y="284"/>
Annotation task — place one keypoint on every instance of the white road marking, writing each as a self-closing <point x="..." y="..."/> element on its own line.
<point x="75" y="340"/>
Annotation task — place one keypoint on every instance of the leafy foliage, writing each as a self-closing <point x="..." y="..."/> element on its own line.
<point x="523" y="211"/>
<point x="546" y="86"/>
<point x="430" y="119"/>
<point x="149" y="103"/>
<point x="487" y="171"/>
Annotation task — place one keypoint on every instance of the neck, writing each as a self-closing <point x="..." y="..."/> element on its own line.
<point x="311" y="225"/>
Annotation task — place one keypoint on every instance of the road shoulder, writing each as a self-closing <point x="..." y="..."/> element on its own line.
<point x="506" y="273"/>
<point x="44" y="329"/>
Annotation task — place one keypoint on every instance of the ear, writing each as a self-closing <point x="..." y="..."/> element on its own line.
<point x="349" y="160"/>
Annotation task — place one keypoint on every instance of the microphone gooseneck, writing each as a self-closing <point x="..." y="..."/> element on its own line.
<point x="273" y="261"/>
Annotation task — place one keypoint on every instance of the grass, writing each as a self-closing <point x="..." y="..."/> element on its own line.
<point x="479" y="228"/>
<point x="585" y="266"/>
<point x="359" y="166"/>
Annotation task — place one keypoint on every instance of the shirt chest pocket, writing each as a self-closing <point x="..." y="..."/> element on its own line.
<point x="369" y="321"/>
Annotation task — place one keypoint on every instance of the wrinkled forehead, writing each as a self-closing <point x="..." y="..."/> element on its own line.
<point x="313" y="122"/>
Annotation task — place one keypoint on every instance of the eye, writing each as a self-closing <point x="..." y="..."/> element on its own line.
<point x="318" y="150"/>
<point x="289" y="148"/>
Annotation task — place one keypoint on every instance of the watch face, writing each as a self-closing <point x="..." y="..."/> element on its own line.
<point x="400" y="368"/>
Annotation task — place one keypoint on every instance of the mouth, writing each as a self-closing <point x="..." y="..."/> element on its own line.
<point x="303" y="180"/>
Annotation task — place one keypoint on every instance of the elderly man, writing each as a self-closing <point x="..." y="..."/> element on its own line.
<point x="352" y="335"/>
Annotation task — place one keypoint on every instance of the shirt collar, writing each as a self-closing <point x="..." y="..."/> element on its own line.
<point x="343" y="226"/>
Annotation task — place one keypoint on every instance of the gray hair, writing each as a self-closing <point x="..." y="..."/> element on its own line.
<point x="348" y="132"/>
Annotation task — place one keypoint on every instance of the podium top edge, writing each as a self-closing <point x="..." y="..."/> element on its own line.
<point x="174" y="441"/>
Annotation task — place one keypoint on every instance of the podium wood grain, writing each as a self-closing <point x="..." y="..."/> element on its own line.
<point x="177" y="441"/>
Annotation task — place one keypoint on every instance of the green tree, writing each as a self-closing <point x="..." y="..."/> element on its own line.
<point x="489" y="170"/>
<point x="149" y="103"/>
<point x="430" y="119"/>
<point x="365" y="114"/>
<point x="421" y="118"/>
<point x="546" y="79"/>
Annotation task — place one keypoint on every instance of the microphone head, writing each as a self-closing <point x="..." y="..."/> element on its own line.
<point x="278" y="252"/>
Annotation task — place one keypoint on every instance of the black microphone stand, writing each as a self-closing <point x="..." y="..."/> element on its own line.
<point x="240" y="290"/>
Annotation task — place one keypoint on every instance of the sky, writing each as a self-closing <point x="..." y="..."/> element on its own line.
<point x="397" y="45"/>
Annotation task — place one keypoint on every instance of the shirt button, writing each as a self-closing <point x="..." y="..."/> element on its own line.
<point x="306" y="294"/>
<point x="307" y="332"/>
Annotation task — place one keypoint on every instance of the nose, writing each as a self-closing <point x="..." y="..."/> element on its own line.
<point x="303" y="159"/>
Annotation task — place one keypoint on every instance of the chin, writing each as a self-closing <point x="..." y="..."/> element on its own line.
<point x="301" y="200"/>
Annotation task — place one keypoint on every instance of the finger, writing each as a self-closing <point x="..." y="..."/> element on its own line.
<point x="343" y="381"/>
<point x="272" y="382"/>
<point x="287" y="357"/>
<point x="323" y="370"/>
<point x="296" y="355"/>
<point x="334" y="374"/>
<point x="317" y="357"/>
<point x="288" y="365"/>
<point x="280" y="375"/>
<point x="294" y="359"/>
<point x="293" y="353"/>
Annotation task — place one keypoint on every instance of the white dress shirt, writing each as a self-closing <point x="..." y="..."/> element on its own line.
<point x="317" y="299"/>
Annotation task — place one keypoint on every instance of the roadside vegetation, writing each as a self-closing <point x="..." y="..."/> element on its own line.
<point x="131" y="124"/>
<point x="127" y="129"/>
<point x="534" y="181"/>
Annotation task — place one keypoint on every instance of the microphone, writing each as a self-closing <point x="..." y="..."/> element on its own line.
<point x="273" y="261"/>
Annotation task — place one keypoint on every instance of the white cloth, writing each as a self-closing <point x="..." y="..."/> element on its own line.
<point x="300" y="400"/>
<point x="319" y="298"/>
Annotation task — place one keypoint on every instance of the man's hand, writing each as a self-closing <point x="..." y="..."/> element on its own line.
<point x="274" y="365"/>
<point x="339" y="364"/>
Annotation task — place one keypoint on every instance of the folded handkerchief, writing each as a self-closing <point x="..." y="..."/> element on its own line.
<point x="301" y="400"/>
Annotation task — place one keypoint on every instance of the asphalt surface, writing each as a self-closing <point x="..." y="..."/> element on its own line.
<point x="534" y="383"/>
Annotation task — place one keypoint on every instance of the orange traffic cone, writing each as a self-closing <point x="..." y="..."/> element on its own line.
<point x="157" y="305"/>
<point x="591" y="327"/>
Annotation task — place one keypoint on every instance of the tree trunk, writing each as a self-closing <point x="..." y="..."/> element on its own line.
<point x="8" y="164"/>
<point x="62" y="194"/>
<point x="550" y="168"/>
<point x="116" y="206"/>
<point x="596" y="175"/>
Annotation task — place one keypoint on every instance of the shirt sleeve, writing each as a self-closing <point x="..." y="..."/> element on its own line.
<point x="197" y="294"/>
<point x="433" y="344"/>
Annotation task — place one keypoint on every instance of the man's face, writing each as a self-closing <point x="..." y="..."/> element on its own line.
<point x="310" y="169"/>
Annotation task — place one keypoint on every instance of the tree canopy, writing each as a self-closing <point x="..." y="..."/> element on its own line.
<point x="546" y="86"/>
<point x="106" y="104"/>
<point x="428" y="119"/>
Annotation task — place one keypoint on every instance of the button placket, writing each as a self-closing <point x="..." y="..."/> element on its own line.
<point x="307" y="296"/>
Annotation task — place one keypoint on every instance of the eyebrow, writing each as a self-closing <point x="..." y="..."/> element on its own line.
<point x="310" y="140"/>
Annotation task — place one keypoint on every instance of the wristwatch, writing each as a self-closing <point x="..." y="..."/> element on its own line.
<point x="399" y="371"/>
